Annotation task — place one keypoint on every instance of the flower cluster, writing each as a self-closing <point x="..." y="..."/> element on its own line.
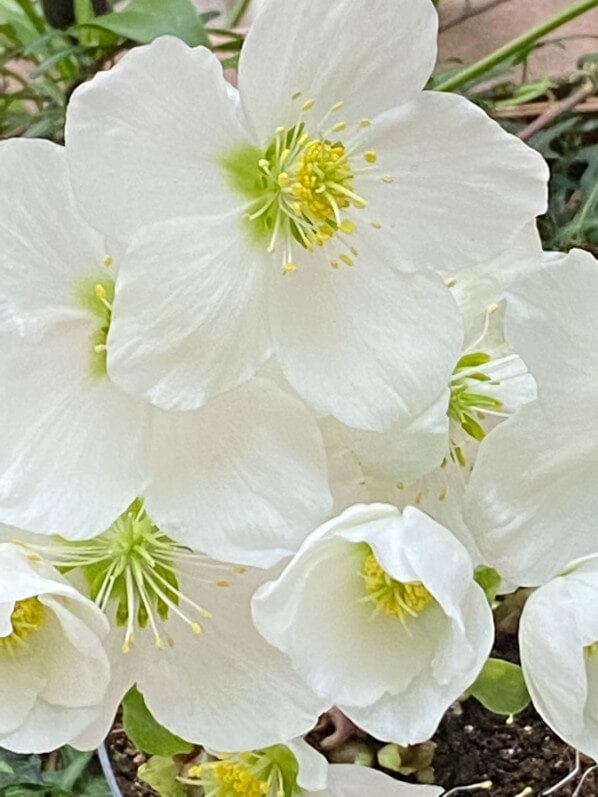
<point x="281" y="366"/>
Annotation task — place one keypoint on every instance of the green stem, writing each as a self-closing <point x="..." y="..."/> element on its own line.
<point x="512" y="47"/>
<point x="238" y="12"/>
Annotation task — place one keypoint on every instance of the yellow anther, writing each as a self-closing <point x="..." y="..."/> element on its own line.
<point x="26" y="618"/>
<point x="360" y="203"/>
<point x="450" y="283"/>
<point x="334" y="263"/>
<point x="283" y="179"/>
<point x="263" y="163"/>
<point x="196" y="628"/>
<point x="100" y="291"/>
<point x="170" y="641"/>
<point x="348" y="226"/>
<point x="338" y="127"/>
<point x="493" y="308"/>
<point x="126" y="648"/>
<point x="239" y="569"/>
<point x="284" y="154"/>
<point x="99" y="347"/>
<point x="375" y="224"/>
<point x="388" y="178"/>
<point x="337" y="106"/>
<point x="442" y="494"/>
<point x="346" y="259"/>
<point x="365" y="123"/>
<point x="418" y="498"/>
<point x="108" y="260"/>
<point x="296" y="95"/>
<point x="223" y="582"/>
<point x="308" y="104"/>
<point x="289" y="267"/>
<point x="395" y="598"/>
<point x="370" y="156"/>
<point x="355" y="251"/>
<point x="279" y="130"/>
<point x="400" y="485"/>
<point x="160" y="643"/>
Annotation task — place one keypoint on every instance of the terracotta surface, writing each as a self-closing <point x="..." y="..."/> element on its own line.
<point x="478" y="36"/>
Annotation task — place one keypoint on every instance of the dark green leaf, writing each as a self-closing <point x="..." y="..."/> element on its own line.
<point x="145" y="732"/>
<point x="500" y="687"/>
<point x="145" y="20"/>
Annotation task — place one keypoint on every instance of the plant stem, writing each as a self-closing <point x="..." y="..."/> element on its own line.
<point x="238" y="12"/>
<point x="519" y="43"/>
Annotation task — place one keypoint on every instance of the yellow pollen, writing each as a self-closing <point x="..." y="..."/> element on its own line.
<point x="283" y="179"/>
<point x="323" y="180"/>
<point x="289" y="267"/>
<point x="223" y="582"/>
<point x="337" y="106"/>
<point x="239" y="569"/>
<point x="375" y="224"/>
<point x="108" y="260"/>
<point x="450" y="283"/>
<point x="308" y="105"/>
<point x="365" y="123"/>
<point x="388" y="178"/>
<point x="400" y="485"/>
<point x="355" y="251"/>
<point x="230" y="777"/>
<point x="100" y="291"/>
<point x="334" y="263"/>
<point x="442" y="494"/>
<point x="339" y="126"/>
<point x="401" y="599"/>
<point x="346" y="259"/>
<point x="370" y="156"/>
<point x="196" y="628"/>
<point x="418" y="498"/>
<point x="296" y="95"/>
<point x="348" y="226"/>
<point x="493" y="308"/>
<point x="26" y="618"/>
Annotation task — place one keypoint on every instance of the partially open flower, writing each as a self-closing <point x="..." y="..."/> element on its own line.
<point x="380" y="614"/>
<point x="54" y="671"/>
<point x="558" y="640"/>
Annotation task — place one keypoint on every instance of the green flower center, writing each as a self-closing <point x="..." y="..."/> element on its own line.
<point x="133" y="567"/>
<point x="261" y="773"/>
<point x="96" y="295"/>
<point x="400" y="599"/>
<point x="467" y="406"/>
<point x="26" y="618"/>
<point x="302" y="188"/>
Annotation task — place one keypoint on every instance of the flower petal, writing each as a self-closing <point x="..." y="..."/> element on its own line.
<point x="72" y="448"/>
<point x="462" y="188"/>
<point x="188" y="315"/>
<point x="243" y="479"/>
<point x="370" y="54"/>
<point x="144" y="139"/>
<point x="534" y="479"/>
<point x="353" y="780"/>
<point x="366" y="344"/>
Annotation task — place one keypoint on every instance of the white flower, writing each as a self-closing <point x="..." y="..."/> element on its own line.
<point x="294" y="770"/>
<point x="303" y="215"/>
<point x="53" y="668"/>
<point x="380" y="614"/>
<point x="428" y="463"/>
<point x="181" y="629"/>
<point x="242" y="478"/>
<point x="558" y="640"/>
<point x="532" y="501"/>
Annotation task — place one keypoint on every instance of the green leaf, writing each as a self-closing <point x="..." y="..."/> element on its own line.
<point x="161" y="773"/>
<point x="500" y="687"/>
<point x="489" y="580"/>
<point x="145" y="20"/>
<point x="147" y="734"/>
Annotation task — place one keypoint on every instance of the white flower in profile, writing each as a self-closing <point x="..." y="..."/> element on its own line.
<point x="293" y="769"/>
<point x="304" y="215"/>
<point x="181" y="630"/>
<point x="243" y="478"/>
<point x="380" y="614"/>
<point x="532" y="502"/>
<point x="558" y="640"/>
<point x="428" y="463"/>
<point x="53" y="669"/>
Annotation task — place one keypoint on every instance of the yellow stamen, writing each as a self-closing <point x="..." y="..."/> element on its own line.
<point x="370" y="156"/>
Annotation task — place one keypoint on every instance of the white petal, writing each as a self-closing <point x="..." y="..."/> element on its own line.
<point x="48" y="727"/>
<point x="463" y="188"/>
<point x="243" y="478"/>
<point x="370" y="54"/>
<point x="144" y="139"/>
<point x="188" y="316"/>
<point x="352" y="780"/>
<point x="46" y="245"/>
<point x="313" y="767"/>
<point x="367" y="344"/>
<point x="531" y="501"/>
<point x="551" y="322"/>
<point x="227" y="688"/>
<point x="71" y="446"/>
